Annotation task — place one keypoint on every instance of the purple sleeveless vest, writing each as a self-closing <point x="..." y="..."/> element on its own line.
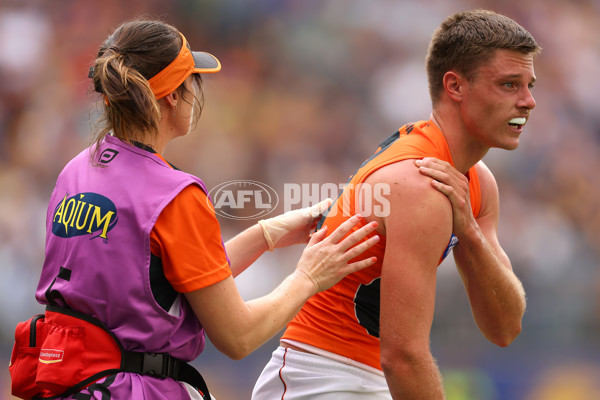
<point x="98" y="250"/>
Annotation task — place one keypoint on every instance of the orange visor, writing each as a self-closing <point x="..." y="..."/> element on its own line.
<point x="186" y="63"/>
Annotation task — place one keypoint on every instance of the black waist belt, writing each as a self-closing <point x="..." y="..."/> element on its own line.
<point x="164" y="366"/>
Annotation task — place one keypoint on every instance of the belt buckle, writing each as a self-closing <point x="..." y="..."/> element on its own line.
<point x="153" y="364"/>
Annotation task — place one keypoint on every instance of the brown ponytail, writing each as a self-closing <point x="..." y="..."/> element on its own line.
<point x="132" y="54"/>
<point x="130" y="104"/>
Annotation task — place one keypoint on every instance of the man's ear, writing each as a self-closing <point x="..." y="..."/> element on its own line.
<point x="454" y="85"/>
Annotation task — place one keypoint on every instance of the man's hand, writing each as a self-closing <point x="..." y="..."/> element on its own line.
<point x="455" y="186"/>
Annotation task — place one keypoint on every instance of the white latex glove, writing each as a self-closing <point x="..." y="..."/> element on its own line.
<point x="293" y="226"/>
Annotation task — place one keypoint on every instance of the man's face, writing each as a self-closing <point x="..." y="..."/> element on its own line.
<point x="498" y="100"/>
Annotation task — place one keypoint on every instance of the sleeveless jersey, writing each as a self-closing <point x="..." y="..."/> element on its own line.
<point x="344" y="320"/>
<point x="97" y="255"/>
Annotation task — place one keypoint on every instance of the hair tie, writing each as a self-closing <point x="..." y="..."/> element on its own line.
<point x="115" y="49"/>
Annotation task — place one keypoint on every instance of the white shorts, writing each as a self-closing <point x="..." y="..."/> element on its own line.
<point x="296" y="375"/>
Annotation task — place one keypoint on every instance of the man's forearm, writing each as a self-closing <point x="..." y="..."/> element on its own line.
<point x="496" y="295"/>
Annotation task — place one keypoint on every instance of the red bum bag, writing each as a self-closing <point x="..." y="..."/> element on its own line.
<point x="63" y="351"/>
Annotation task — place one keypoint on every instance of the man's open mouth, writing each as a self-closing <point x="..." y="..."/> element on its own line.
<point x="517" y="122"/>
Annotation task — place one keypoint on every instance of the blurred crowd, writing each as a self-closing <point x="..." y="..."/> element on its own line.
<point x="307" y="91"/>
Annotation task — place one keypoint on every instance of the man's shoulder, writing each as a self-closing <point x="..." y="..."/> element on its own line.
<point x="487" y="181"/>
<point x="407" y="187"/>
<point x="399" y="174"/>
<point x="483" y="170"/>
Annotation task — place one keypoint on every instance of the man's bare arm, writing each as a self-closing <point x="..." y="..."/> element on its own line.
<point x="495" y="293"/>
<point x="417" y="230"/>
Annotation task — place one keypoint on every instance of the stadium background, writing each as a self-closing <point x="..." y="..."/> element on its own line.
<point x="308" y="89"/>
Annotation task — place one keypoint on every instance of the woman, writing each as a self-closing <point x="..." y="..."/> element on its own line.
<point x="134" y="243"/>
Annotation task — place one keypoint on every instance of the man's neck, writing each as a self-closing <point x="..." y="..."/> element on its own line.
<point x="465" y="152"/>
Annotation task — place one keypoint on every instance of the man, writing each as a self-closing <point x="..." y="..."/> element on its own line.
<point x="368" y="336"/>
